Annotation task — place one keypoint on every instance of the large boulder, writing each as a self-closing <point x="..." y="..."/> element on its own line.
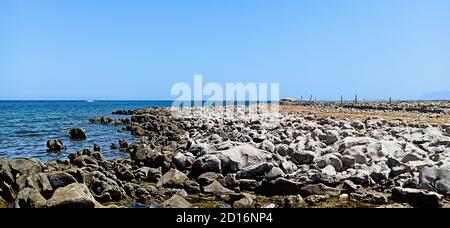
<point x="240" y="157"/>
<point x="435" y="179"/>
<point x="257" y="172"/>
<point x="329" y="159"/>
<point x="103" y="188"/>
<point x="183" y="161"/>
<point x="30" y="198"/>
<point x="72" y="196"/>
<point x="59" y="179"/>
<point x="39" y="182"/>
<point x="77" y="134"/>
<point x="26" y="166"/>
<point x="149" y="157"/>
<point x="173" y="179"/>
<point x="206" y="163"/>
<point x="421" y="136"/>
<point x="417" y="197"/>
<point x="55" y="145"/>
<point x="283" y="150"/>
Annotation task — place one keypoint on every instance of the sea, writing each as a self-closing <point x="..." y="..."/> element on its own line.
<point x="25" y="126"/>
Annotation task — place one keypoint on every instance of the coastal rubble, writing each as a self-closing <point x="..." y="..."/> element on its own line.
<point x="261" y="159"/>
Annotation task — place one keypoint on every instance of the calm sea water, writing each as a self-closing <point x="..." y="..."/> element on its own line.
<point x="25" y="126"/>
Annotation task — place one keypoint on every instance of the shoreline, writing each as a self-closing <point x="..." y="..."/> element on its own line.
<point x="298" y="158"/>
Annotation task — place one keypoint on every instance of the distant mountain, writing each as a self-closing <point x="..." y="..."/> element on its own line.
<point x="443" y="95"/>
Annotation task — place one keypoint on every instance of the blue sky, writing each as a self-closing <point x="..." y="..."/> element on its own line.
<point x="114" y="49"/>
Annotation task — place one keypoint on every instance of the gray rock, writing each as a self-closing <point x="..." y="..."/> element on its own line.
<point x="206" y="163"/>
<point x="30" y="198"/>
<point x="380" y="173"/>
<point x="288" y="167"/>
<point x="348" y="161"/>
<point x="148" y="174"/>
<point x="268" y="146"/>
<point x="182" y="161"/>
<point x="435" y="179"/>
<point x="200" y="150"/>
<point x="319" y="189"/>
<point x="216" y="188"/>
<point x="257" y="172"/>
<point x="417" y="197"/>
<point x="349" y="186"/>
<point x="274" y="173"/>
<point x="361" y="177"/>
<point x="357" y="153"/>
<point x="207" y="178"/>
<point x="26" y="166"/>
<point x="331" y="136"/>
<point x="72" y="196"/>
<point x="240" y="157"/>
<point x="55" y="145"/>
<point x="60" y="179"/>
<point x="77" y="134"/>
<point x="103" y="188"/>
<point x="84" y="160"/>
<point x="149" y="157"/>
<point x="303" y="157"/>
<point x="173" y="179"/>
<point x="41" y="183"/>
<point x="329" y="170"/>
<point x="283" y="150"/>
<point x="329" y="159"/>
<point x="176" y="201"/>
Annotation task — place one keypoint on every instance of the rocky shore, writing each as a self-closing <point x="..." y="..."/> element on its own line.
<point x="206" y="157"/>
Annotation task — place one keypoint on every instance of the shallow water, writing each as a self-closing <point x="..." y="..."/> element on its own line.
<point x="25" y="126"/>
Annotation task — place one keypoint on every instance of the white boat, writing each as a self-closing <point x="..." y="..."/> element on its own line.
<point x="90" y="101"/>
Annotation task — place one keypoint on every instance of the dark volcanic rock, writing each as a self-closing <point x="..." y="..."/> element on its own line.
<point x="55" y="145"/>
<point x="60" y="179"/>
<point x="280" y="186"/>
<point x="417" y="197"/>
<point x="77" y="134"/>
<point x="102" y="120"/>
